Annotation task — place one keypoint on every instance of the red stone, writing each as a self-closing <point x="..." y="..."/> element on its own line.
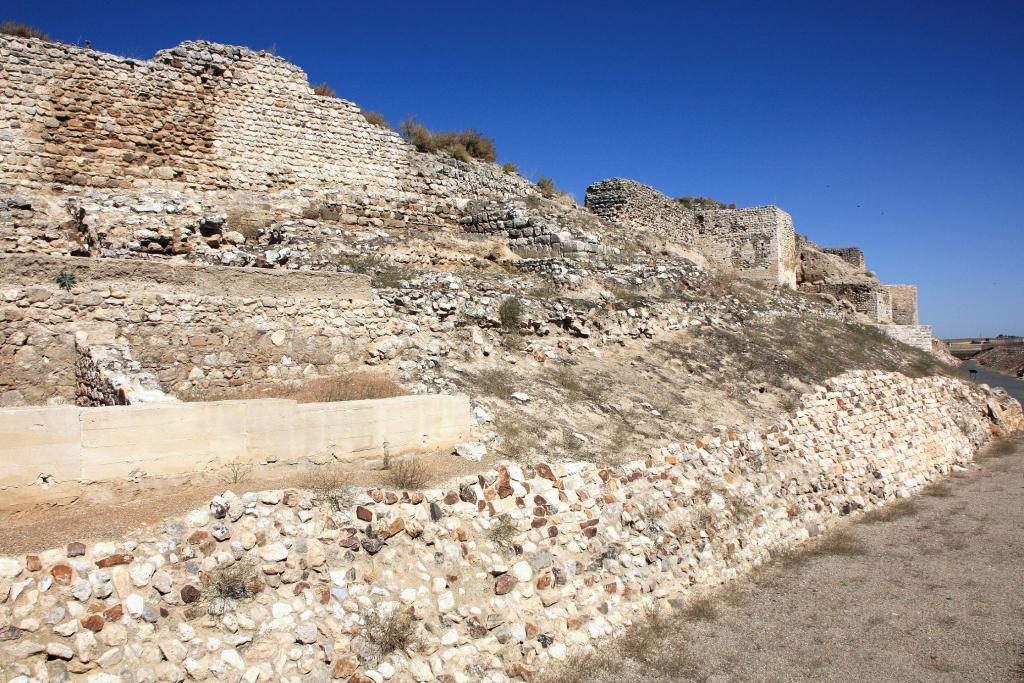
<point x="76" y="549"/>
<point x="62" y="574"/>
<point x="364" y="514"/>
<point x="93" y="622"/>
<point x="290" y="498"/>
<point x="33" y="563"/>
<point x="198" y="537"/>
<point x="504" y="584"/>
<point x="114" y="560"/>
<point x="114" y="613"/>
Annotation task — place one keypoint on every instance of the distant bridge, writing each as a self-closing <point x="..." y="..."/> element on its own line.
<point x="969" y="347"/>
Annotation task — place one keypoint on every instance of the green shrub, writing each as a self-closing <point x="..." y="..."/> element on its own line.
<point x="66" y="280"/>
<point x="510" y="312"/>
<point x="20" y="30"/>
<point x="324" y="90"/>
<point x="463" y="145"/>
<point x="376" y="118"/>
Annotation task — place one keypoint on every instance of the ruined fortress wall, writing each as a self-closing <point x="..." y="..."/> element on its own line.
<point x="904" y="304"/>
<point x="759" y="243"/>
<point x="643" y="209"/>
<point x="918" y="336"/>
<point x="233" y="130"/>
<point x="852" y="255"/>
<point x="52" y="452"/>
<point x="193" y="327"/>
<point x="870" y="298"/>
<point x="662" y="530"/>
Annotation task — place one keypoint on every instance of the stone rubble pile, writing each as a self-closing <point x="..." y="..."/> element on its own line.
<point x="499" y="575"/>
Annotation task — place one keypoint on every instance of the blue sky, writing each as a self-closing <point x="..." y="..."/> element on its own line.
<point x="898" y="127"/>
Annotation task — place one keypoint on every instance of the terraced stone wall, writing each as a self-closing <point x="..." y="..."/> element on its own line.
<point x="500" y="575"/>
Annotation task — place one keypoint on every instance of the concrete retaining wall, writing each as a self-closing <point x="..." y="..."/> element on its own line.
<point x="49" y="453"/>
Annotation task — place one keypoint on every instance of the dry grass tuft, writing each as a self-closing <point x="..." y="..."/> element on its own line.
<point x="331" y="487"/>
<point x="1001" y="447"/>
<point x="376" y="118"/>
<point x="700" y="609"/>
<point x="324" y="90"/>
<point x="407" y="475"/>
<point x="889" y="512"/>
<point x="390" y="632"/>
<point x="838" y="543"/>
<point x="653" y="641"/>
<point x="233" y="582"/>
<point x="939" y="490"/>
<point x="464" y="145"/>
<point x="21" y="30"/>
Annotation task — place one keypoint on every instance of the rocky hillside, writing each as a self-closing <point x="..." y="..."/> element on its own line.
<point x="1007" y="360"/>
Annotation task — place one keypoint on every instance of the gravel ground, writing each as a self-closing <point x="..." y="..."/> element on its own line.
<point x="931" y="591"/>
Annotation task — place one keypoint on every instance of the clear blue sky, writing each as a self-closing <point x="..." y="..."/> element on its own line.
<point x="895" y="126"/>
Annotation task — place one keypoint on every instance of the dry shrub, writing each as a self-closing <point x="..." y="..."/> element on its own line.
<point x="653" y="644"/>
<point x="889" y="512"/>
<point x="375" y="118"/>
<point x="233" y="582"/>
<point x="408" y="475"/>
<point x="21" y="30"/>
<point x="464" y="145"/>
<point x="504" y="533"/>
<point x="839" y="543"/>
<point x="389" y="632"/>
<point x="1001" y="447"/>
<point x="700" y="609"/>
<point x="509" y="168"/>
<point x="330" y="485"/>
<point x="324" y="90"/>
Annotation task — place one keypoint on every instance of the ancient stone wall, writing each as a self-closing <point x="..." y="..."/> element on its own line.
<point x="761" y="242"/>
<point x="869" y="298"/>
<point x="918" y="336"/>
<point x="202" y="131"/>
<point x="852" y="255"/>
<point x="758" y="243"/>
<point x="904" y="304"/>
<point x="194" y="327"/>
<point x="502" y="574"/>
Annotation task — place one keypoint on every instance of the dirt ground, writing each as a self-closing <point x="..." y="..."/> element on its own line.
<point x="102" y="517"/>
<point x="932" y="591"/>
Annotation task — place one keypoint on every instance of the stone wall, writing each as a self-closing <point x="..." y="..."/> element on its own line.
<point x="852" y="255"/>
<point x="51" y="453"/>
<point x="115" y="154"/>
<point x="904" y="304"/>
<point x="502" y="574"/>
<point x="758" y="243"/>
<point x="194" y="327"/>
<point x="869" y="298"/>
<point x="761" y="242"/>
<point x="918" y="336"/>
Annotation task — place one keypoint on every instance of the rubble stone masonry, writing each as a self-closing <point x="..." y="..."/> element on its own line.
<point x="501" y="575"/>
